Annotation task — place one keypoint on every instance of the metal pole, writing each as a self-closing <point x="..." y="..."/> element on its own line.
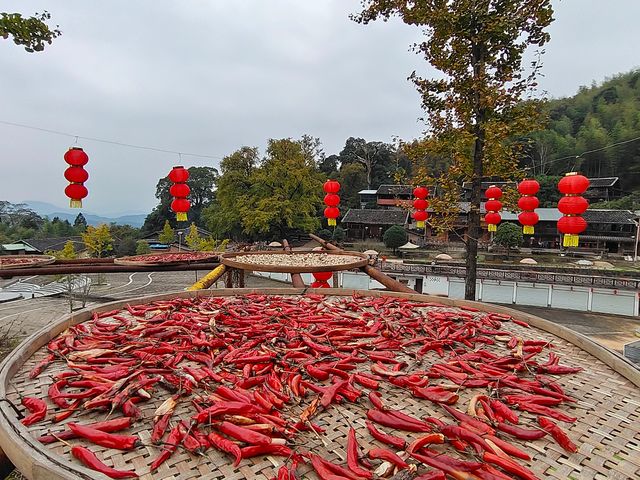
<point x="635" y="250"/>
<point x="179" y="240"/>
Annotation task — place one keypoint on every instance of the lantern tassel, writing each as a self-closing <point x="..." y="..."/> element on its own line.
<point x="420" y="224"/>
<point x="492" y="227"/>
<point x="181" y="216"/>
<point x="527" y="230"/>
<point x="75" y="203"/>
<point x="331" y="222"/>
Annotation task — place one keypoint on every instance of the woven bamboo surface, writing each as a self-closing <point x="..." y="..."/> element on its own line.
<point x="606" y="433"/>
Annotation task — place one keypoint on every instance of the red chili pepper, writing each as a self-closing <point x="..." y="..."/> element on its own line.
<point x="89" y="459"/>
<point x="509" y="466"/>
<point x="273" y="449"/>
<point x="173" y="440"/>
<point x="436" y="394"/>
<point x="114" y="425"/>
<point x="520" y="433"/>
<point x="441" y="463"/>
<point x="37" y="409"/>
<point x="388" y="456"/>
<point x="353" y="455"/>
<point x="105" y="439"/>
<point x="226" y="445"/>
<point x="463" y="417"/>
<point x="37" y="370"/>
<point x="549" y="412"/>
<point x="558" y="434"/>
<point x="451" y="431"/>
<point x="386" y="438"/>
<point x="508" y="448"/>
<point x="421" y="442"/>
<point x="244" y="434"/>
<point x="389" y="420"/>
<point x="160" y="427"/>
<point x="504" y="411"/>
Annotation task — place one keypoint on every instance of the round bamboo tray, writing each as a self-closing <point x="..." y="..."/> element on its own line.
<point x="151" y="259"/>
<point x="228" y="259"/>
<point x="33" y="261"/>
<point x="606" y="433"/>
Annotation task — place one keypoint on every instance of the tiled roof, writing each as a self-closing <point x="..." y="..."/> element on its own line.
<point x="619" y="217"/>
<point x="602" y="182"/>
<point x="376" y="217"/>
<point x="395" y="190"/>
<point x="56" y="243"/>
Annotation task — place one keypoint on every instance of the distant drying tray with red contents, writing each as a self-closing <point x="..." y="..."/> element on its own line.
<point x="299" y="261"/>
<point x="9" y="262"/>
<point x="152" y="259"/>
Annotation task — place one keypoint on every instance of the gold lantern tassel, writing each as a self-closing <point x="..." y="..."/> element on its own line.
<point x="181" y="216"/>
<point x="527" y="229"/>
<point x="492" y="227"/>
<point x="420" y="224"/>
<point x="75" y="203"/>
<point x="331" y="222"/>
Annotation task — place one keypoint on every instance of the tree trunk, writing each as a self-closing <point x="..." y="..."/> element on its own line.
<point x="476" y="177"/>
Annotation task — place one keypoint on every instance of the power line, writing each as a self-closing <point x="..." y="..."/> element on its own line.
<point x="111" y="142"/>
<point x="586" y="153"/>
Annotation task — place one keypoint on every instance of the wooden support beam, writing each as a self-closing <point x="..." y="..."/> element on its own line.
<point x="296" y="278"/>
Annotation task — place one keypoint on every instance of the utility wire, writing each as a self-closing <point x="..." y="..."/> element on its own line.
<point x="111" y="142"/>
<point x="586" y="153"/>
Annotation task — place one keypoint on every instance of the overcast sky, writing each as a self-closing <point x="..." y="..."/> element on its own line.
<point x="209" y="76"/>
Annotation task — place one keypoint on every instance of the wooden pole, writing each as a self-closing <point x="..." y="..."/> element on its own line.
<point x="296" y="278"/>
<point x="374" y="273"/>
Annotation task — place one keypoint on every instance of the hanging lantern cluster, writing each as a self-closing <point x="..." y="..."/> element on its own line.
<point x="331" y="200"/>
<point x="321" y="279"/>
<point x="420" y="205"/>
<point x="180" y="191"/>
<point x="528" y="203"/>
<point x="493" y="206"/>
<point x="76" y="175"/>
<point x="572" y="206"/>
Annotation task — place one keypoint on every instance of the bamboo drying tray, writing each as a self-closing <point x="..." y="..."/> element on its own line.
<point x="606" y="433"/>
<point x="149" y="260"/>
<point x="34" y="261"/>
<point x="229" y="259"/>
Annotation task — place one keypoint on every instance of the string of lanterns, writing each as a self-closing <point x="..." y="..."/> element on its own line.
<point x="76" y="175"/>
<point x="331" y="200"/>
<point x="493" y="206"/>
<point x="321" y="279"/>
<point x="420" y="204"/>
<point x="528" y="203"/>
<point x="180" y="191"/>
<point x="572" y="206"/>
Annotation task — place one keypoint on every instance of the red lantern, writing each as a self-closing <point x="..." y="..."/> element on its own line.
<point x="421" y="192"/>
<point x="572" y="205"/>
<point x="76" y="157"/>
<point x="528" y="219"/>
<point x="493" y="192"/>
<point x="331" y="213"/>
<point x="420" y="204"/>
<point x="180" y="191"/>
<point x="321" y="279"/>
<point x="331" y="200"/>
<point x="179" y="174"/>
<point x="528" y="203"/>
<point x="76" y="175"/>
<point x="493" y="206"/>
<point x="76" y="192"/>
<point x="331" y="186"/>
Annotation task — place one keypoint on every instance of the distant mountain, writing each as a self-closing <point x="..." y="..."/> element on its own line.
<point x="49" y="210"/>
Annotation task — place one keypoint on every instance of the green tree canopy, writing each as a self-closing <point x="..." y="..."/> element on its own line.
<point x="508" y="235"/>
<point x="395" y="237"/>
<point x="98" y="240"/>
<point x="168" y="234"/>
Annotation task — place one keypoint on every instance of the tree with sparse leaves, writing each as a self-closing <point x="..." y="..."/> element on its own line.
<point x="475" y="109"/>
<point x="98" y="240"/>
<point x="168" y="234"/>
<point x="30" y="32"/>
<point x="142" y="247"/>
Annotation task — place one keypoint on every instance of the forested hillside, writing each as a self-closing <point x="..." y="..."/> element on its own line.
<point x="594" y="118"/>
